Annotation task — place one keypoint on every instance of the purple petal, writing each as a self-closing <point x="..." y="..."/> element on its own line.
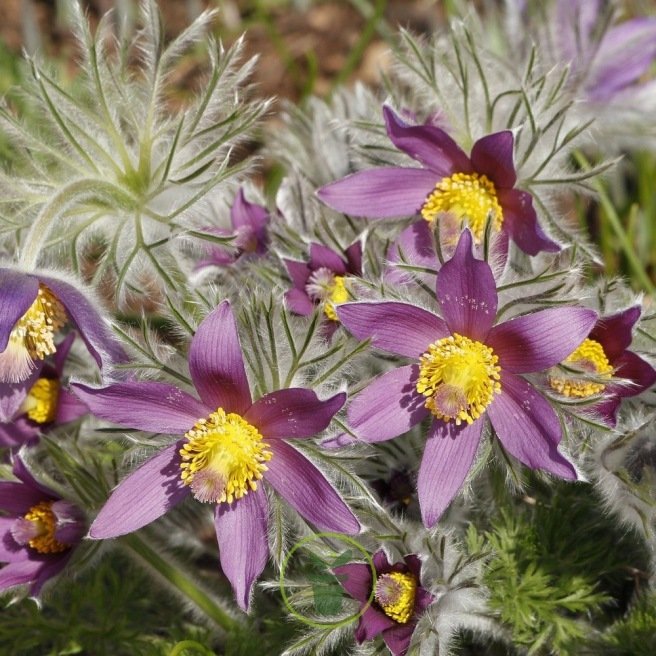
<point x="528" y="427"/>
<point x="10" y="550"/>
<point x="290" y="413"/>
<point x="607" y="409"/>
<point x="427" y="144"/>
<point x="93" y="329"/>
<point x="322" y="256"/>
<point x="413" y="246"/>
<point x="143" y="496"/>
<point x="248" y="215"/>
<point x="355" y="578"/>
<point x="241" y="531"/>
<point x="633" y="368"/>
<point x="12" y="395"/>
<point x="354" y="258"/>
<point x="153" y="407"/>
<point x="398" y="638"/>
<point x="493" y="156"/>
<point x="49" y="569"/>
<point x="413" y="564"/>
<point x="63" y="349"/>
<point x="69" y="408"/>
<point x="71" y="522"/>
<point x="423" y="600"/>
<point x="398" y="328"/>
<point x="614" y="332"/>
<point x="537" y="341"/>
<point x="22" y="473"/>
<point x="307" y="490"/>
<point x="381" y="193"/>
<point x="17" y="498"/>
<point x="448" y="457"/>
<point x="466" y="292"/>
<point x="381" y="563"/>
<point x="299" y="302"/>
<point x="18" y="432"/>
<point x="299" y="272"/>
<point x="18" y="293"/>
<point x="18" y="573"/>
<point x="372" y="623"/>
<point x="216" y="363"/>
<point x="521" y="222"/>
<point x="389" y="406"/>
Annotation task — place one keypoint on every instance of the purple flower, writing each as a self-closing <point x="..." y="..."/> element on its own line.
<point x="449" y="184"/>
<point x="604" y="354"/>
<point x="465" y="369"/>
<point x="33" y="309"/>
<point x="321" y="280"/>
<point x="38" y="531"/>
<point x="38" y="403"/>
<point x="229" y="444"/>
<point x="398" y="599"/>
<point x="249" y="223"/>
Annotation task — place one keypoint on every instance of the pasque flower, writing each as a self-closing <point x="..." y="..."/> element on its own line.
<point x="39" y="402"/>
<point x="465" y="369"/>
<point x="604" y="354"/>
<point x="38" y="531"/>
<point x="398" y="599"/>
<point x="249" y="225"/>
<point x="472" y="189"/>
<point x="229" y="444"/>
<point x="34" y="308"/>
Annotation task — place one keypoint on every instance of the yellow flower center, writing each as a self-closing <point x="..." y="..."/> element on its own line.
<point x="223" y="458"/>
<point x="470" y="197"/>
<point x="33" y="336"/>
<point x="324" y="285"/>
<point x="590" y="358"/>
<point x="459" y="377"/>
<point x="40" y="405"/>
<point x="395" y="593"/>
<point x="43" y="526"/>
<point x="337" y="293"/>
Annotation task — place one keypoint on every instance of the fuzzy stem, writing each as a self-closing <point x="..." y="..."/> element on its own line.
<point x="177" y="578"/>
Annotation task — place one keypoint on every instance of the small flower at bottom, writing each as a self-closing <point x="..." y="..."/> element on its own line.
<point x="38" y="531"/>
<point x="398" y="599"/>
<point x="230" y="444"/>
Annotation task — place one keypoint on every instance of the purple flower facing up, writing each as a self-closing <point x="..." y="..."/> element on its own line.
<point x="398" y="599"/>
<point x="249" y="225"/>
<point x="38" y="531"/>
<point x="471" y="190"/>
<point x="229" y="444"/>
<point x="33" y="310"/>
<point x="39" y="402"/>
<point x="465" y="369"/>
<point x="604" y="354"/>
<point x="322" y="279"/>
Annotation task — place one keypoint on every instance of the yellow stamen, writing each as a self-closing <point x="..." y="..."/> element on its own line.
<point x="470" y="197"/>
<point x="40" y="404"/>
<point x="590" y="358"/>
<point x="337" y="293"/>
<point x="395" y="593"/>
<point x="223" y="458"/>
<point x="459" y="377"/>
<point x="44" y="522"/>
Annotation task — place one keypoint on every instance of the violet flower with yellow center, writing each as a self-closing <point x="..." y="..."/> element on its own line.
<point x="604" y="354"/>
<point x="33" y="310"/>
<point x="38" y="531"/>
<point x="466" y="371"/>
<point x="473" y="190"/>
<point x="230" y="445"/>
<point x="398" y="599"/>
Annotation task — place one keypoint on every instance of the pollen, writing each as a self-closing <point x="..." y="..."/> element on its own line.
<point x="470" y="197"/>
<point x="40" y="404"/>
<point x="323" y="285"/>
<point x="590" y="358"/>
<point x="223" y="458"/>
<point x="37" y="529"/>
<point x="459" y="378"/>
<point x="33" y="337"/>
<point x="395" y="593"/>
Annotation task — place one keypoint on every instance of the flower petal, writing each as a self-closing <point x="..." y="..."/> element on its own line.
<point x="241" y="531"/>
<point x="322" y="256"/>
<point x="69" y="408"/>
<point x="448" y="457"/>
<point x="614" y="332"/>
<point x="12" y="395"/>
<point x="10" y="550"/>
<point x="18" y="293"/>
<point x="299" y="302"/>
<point x="245" y="214"/>
<point x="398" y="638"/>
<point x="17" y="498"/>
<point x="413" y="246"/>
<point x="299" y="272"/>
<point x="537" y="341"/>
<point x="355" y="578"/>
<point x="146" y="406"/>
<point x="49" y="569"/>
<point x="528" y="426"/>
<point x="493" y="156"/>
<point x="466" y="292"/>
<point x="307" y="490"/>
<point x="294" y="412"/>
<point x="638" y="371"/>
<point x="216" y="363"/>
<point x="372" y="623"/>
<point x="389" y="406"/>
<point x="354" y="258"/>
<point x="143" y="496"/>
<point x="19" y="432"/>
<point x="382" y="193"/>
<point x="427" y="144"/>
<point x="18" y="573"/>
<point x="398" y="328"/>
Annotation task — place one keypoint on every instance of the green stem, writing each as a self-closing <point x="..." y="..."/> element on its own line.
<point x="180" y="581"/>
